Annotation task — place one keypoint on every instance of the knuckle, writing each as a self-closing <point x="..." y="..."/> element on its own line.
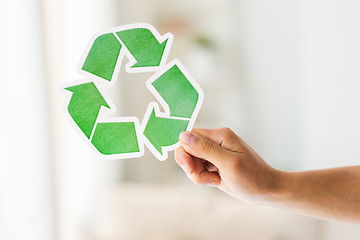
<point x="226" y="130"/>
<point x="196" y="179"/>
<point x="226" y="133"/>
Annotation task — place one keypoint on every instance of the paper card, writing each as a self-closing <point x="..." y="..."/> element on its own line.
<point x="174" y="88"/>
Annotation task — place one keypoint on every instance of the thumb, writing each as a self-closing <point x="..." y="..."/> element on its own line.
<point x="201" y="147"/>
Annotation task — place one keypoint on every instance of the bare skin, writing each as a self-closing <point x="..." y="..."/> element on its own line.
<point x="218" y="157"/>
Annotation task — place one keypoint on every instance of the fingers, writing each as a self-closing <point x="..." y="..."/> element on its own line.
<point x="202" y="176"/>
<point x="211" y="167"/>
<point x="205" y="153"/>
<point x="195" y="168"/>
<point x="204" y="148"/>
<point x="224" y="137"/>
<point x="184" y="160"/>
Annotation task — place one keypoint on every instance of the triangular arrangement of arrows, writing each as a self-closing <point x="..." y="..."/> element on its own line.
<point x="176" y="91"/>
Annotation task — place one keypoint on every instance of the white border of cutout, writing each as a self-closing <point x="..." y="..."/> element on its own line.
<point x="101" y="83"/>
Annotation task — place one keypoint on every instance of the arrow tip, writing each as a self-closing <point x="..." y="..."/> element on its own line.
<point x="153" y="60"/>
<point x="150" y="130"/>
<point x="162" y="132"/>
<point x="88" y="91"/>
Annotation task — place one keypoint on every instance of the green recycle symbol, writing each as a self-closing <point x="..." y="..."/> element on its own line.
<point x="173" y="87"/>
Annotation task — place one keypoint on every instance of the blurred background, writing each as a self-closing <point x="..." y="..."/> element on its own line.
<point x="284" y="75"/>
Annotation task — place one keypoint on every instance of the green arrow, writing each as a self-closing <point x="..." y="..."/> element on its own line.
<point x="85" y="105"/>
<point x="163" y="132"/>
<point x="177" y="91"/>
<point x="143" y="46"/>
<point x="103" y="56"/>
<point x="115" y="138"/>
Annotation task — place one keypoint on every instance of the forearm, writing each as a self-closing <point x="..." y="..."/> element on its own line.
<point x="328" y="193"/>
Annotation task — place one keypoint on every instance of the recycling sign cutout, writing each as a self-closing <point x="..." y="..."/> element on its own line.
<point x="173" y="87"/>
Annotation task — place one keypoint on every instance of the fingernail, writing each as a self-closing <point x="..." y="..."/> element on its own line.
<point x="187" y="138"/>
<point x="213" y="183"/>
<point x="186" y="169"/>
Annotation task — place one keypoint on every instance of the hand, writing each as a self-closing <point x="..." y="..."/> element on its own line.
<point x="218" y="157"/>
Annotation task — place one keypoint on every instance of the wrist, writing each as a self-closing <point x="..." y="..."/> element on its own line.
<point x="279" y="190"/>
